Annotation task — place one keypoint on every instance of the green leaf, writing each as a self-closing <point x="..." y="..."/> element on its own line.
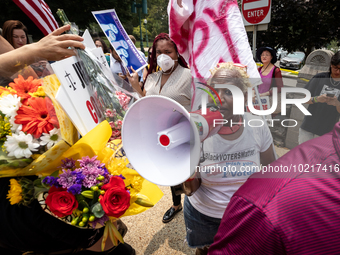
<point x="97" y="210"/>
<point x="55" y="173"/>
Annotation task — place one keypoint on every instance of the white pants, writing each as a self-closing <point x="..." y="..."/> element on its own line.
<point x="304" y="135"/>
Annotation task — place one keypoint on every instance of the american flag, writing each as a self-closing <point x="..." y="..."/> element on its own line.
<point x="39" y="12"/>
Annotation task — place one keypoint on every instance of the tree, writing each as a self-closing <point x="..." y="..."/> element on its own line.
<point x="158" y="21"/>
<point x="136" y="32"/>
<point x="301" y="24"/>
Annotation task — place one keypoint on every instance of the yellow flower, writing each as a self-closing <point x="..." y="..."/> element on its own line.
<point x="5" y="129"/>
<point x="14" y="194"/>
<point x="117" y="165"/>
<point x="5" y="91"/>
<point x="39" y="93"/>
<point x="137" y="183"/>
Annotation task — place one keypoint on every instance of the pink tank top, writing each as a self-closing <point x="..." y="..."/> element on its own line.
<point x="266" y="81"/>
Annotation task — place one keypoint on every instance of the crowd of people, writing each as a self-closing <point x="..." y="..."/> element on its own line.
<point x="231" y="212"/>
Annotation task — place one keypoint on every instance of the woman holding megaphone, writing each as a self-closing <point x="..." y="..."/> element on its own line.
<point x="231" y="156"/>
<point x="173" y="81"/>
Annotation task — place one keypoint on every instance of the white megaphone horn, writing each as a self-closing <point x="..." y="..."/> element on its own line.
<point x="162" y="139"/>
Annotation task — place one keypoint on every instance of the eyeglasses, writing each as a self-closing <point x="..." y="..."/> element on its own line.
<point x="266" y="55"/>
<point x="337" y="69"/>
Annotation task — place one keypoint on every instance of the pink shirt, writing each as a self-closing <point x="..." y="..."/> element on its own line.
<point x="297" y="212"/>
<point x="266" y="81"/>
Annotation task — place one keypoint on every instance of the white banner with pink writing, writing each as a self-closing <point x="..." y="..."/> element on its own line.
<point x="210" y="32"/>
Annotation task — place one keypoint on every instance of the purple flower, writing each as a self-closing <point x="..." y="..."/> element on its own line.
<point x="68" y="163"/>
<point x="101" y="221"/>
<point x="50" y="181"/>
<point x="121" y="176"/>
<point x="67" y="179"/>
<point x="87" y="162"/>
<point x="75" y="189"/>
<point x="106" y="172"/>
<point x="91" y="176"/>
<point x="79" y="176"/>
<point x="106" y="175"/>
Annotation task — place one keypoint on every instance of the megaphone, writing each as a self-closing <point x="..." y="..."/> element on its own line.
<point x="162" y="139"/>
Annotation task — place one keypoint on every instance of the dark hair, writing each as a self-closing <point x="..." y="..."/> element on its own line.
<point x="270" y="50"/>
<point x="335" y="60"/>
<point x="153" y="59"/>
<point x="9" y="26"/>
<point x="149" y="55"/>
<point x="133" y="39"/>
<point x="106" y="49"/>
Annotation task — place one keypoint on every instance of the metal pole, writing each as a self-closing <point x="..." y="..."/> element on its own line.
<point x="254" y="41"/>
<point x="141" y="34"/>
<point x="146" y="28"/>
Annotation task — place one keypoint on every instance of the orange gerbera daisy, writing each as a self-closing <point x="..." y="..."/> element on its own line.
<point x="35" y="118"/>
<point x="23" y="87"/>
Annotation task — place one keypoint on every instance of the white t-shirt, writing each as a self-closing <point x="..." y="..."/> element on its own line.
<point x="115" y="66"/>
<point x="227" y="165"/>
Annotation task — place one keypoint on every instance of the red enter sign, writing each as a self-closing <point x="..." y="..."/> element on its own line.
<point x="255" y="11"/>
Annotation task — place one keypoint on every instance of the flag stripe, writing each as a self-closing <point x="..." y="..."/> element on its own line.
<point x="40" y="9"/>
<point x="39" y="12"/>
<point x="50" y="14"/>
<point x="36" y="6"/>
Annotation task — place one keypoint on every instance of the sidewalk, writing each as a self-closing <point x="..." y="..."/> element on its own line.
<point x="149" y="235"/>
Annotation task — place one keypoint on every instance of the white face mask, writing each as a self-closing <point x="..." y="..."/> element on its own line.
<point x="165" y="62"/>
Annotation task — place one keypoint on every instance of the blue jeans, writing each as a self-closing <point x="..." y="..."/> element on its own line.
<point x="200" y="228"/>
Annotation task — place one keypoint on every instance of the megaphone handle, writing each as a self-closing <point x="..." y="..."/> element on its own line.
<point x="202" y="159"/>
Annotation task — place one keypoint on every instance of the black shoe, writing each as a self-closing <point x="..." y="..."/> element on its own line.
<point x="170" y="214"/>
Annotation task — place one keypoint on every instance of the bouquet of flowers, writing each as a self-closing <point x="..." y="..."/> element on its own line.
<point x="28" y="126"/>
<point x="90" y="191"/>
<point x="115" y="120"/>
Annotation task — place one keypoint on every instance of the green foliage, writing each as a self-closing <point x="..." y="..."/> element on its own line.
<point x="157" y="18"/>
<point x="333" y="46"/>
<point x="136" y="32"/>
<point x="301" y="25"/>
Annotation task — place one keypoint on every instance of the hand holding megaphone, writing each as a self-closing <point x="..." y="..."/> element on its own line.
<point x="162" y="139"/>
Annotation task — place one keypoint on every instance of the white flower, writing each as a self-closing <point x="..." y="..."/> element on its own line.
<point x="9" y="105"/>
<point x="50" y="139"/>
<point x="20" y="145"/>
<point x="15" y="128"/>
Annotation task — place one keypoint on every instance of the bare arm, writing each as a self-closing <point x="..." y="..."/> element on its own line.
<point x="52" y="47"/>
<point x="5" y="47"/>
<point x="267" y="156"/>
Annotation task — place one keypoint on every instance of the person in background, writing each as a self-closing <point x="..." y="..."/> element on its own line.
<point x="116" y="64"/>
<point x="100" y="43"/>
<point x="173" y="81"/>
<point x="140" y="73"/>
<point x="15" y="33"/>
<point x="289" y="211"/>
<point x="30" y="230"/>
<point x="230" y="157"/>
<point x="324" y="104"/>
<point x="6" y="72"/>
<point x="270" y="74"/>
